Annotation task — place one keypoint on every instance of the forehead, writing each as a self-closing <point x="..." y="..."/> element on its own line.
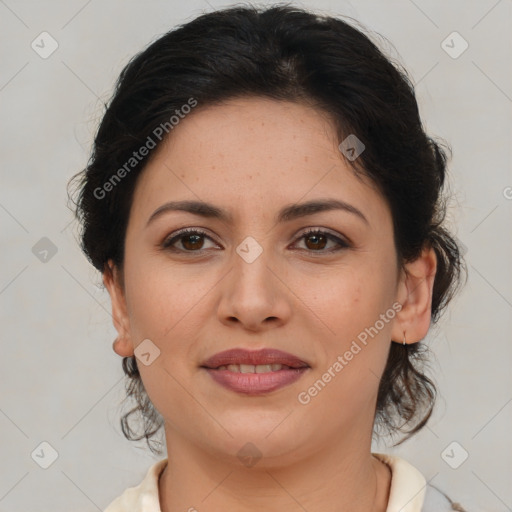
<point x="251" y="155"/>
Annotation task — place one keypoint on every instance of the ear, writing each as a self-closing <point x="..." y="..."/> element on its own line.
<point x="414" y="293"/>
<point x="112" y="280"/>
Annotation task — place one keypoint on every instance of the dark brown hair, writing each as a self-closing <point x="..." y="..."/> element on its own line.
<point x="282" y="53"/>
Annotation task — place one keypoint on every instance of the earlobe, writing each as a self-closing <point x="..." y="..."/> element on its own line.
<point x="415" y="294"/>
<point x="123" y="345"/>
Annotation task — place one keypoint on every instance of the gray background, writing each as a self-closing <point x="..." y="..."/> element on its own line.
<point x="61" y="381"/>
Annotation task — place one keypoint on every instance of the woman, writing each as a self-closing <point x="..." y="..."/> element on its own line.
<point x="267" y="213"/>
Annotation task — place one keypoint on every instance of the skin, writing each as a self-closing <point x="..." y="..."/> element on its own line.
<point x="253" y="156"/>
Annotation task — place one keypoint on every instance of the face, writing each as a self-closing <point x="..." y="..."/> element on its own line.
<point x="257" y="280"/>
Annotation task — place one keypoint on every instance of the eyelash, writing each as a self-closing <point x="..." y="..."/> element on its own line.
<point x="169" y="242"/>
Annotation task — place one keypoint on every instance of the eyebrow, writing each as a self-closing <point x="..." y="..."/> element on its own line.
<point x="288" y="213"/>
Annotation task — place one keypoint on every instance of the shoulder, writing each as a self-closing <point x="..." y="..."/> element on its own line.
<point x="143" y="497"/>
<point x="409" y="490"/>
<point x="437" y="501"/>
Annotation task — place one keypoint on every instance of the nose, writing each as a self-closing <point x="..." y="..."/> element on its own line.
<point x="254" y="295"/>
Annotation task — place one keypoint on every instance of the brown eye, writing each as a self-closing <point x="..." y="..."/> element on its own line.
<point x="317" y="240"/>
<point x="191" y="240"/>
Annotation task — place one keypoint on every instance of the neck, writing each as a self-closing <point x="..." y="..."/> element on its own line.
<point x="342" y="477"/>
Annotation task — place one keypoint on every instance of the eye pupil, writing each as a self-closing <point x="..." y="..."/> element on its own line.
<point x="317" y="237"/>
<point x="194" y="244"/>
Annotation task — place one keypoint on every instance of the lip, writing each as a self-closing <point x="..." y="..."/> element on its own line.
<point x="255" y="383"/>
<point x="254" y="357"/>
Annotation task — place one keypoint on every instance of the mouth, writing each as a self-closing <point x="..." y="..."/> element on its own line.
<point x="253" y="368"/>
<point x="253" y="361"/>
<point x="254" y="372"/>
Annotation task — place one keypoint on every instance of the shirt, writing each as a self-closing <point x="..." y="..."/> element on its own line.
<point x="409" y="491"/>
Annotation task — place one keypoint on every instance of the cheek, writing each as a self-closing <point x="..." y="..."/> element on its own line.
<point x="160" y="296"/>
<point x="169" y="305"/>
<point x="161" y="309"/>
<point x="351" y="300"/>
<point x="355" y="302"/>
<point x="353" y="355"/>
